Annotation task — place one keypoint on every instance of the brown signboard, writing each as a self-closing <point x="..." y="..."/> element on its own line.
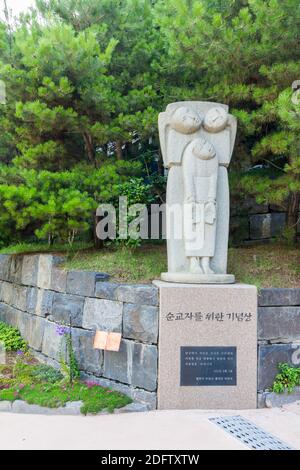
<point x="107" y="340"/>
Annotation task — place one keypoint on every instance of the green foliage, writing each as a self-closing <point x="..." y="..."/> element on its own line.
<point x="23" y="372"/>
<point x="11" y="339"/>
<point x="45" y="373"/>
<point x="64" y="90"/>
<point x="68" y="362"/>
<point x="85" y="82"/>
<point x="44" y="248"/>
<point x="42" y="385"/>
<point x="136" y="191"/>
<point x="70" y="369"/>
<point x="138" y="194"/>
<point x="243" y="53"/>
<point x="287" y="379"/>
<point x="95" y="399"/>
<point x="57" y="205"/>
<point x="79" y="80"/>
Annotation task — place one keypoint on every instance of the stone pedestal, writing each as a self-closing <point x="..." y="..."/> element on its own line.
<point x="194" y="278"/>
<point x="207" y="346"/>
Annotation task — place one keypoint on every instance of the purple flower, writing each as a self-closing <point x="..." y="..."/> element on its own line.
<point x="20" y="353"/>
<point x="4" y="386"/>
<point x="91" y="383"/>
<point x="62" y="330"/>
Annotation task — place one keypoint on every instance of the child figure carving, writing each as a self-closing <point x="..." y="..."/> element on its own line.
<point x="200" y="177"/>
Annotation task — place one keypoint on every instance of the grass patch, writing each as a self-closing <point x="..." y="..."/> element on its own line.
<point x="95" y="398"/>
<point x="27" y="248"/>
<point x="272" y="265"/>
<point x="124" y="264"/>
<point x="43" y="385"/>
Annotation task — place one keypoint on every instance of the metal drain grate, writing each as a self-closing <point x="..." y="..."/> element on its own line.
<point x="249" y="433"/>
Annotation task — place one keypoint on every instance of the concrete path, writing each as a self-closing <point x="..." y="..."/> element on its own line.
<point x="153" y="430"/>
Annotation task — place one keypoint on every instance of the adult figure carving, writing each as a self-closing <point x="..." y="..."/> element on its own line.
<point x="197" y="140"/>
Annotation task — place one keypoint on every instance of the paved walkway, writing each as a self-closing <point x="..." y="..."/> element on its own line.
<point x="154" y="430"/>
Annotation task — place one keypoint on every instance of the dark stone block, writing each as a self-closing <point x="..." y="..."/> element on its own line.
<point x="31" y="299"/>
<point x="81" y="283"/>
<point x="140" y="322"/>
<point x="277" y="223"/>
<point x="102" y="314"/>
<point x="141" y="294"/>
<point x="19" y="297"/>
<point x="269" y="356"/>
<point x="30" y="268"/>
<point x="260" y="226"/>
<point x="89" y="359"/>
<point x="9" y="314"/>
<point x="144" y="367"/>
<point x="276" y="208"/>
<point x="280" y="324"/>
<point x="134" y="364"/>
<point x="102" y="277"/>
<point x="277" y="400"/>
<point x="16" y="265"/>
<point x="44" y="302"/>
<point x="67" y="306"/>
<point x="53" y="345"/>
<point x="278" y="297"/>
<point x="32" y="329"/>
<point x="106" y="290"/>
<point x="58" y="279"/>
<point x="5" y="261"/>
<point x="118" y="365"/>
<point x="266" y="225"/>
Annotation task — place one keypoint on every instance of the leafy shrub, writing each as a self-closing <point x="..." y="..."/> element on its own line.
<point x="287" y="379"/>
<point x="42" y="385"/>
<point x="57" y="205"/>
<point x="137" y="192"/>
<point x="6" y="383"/>
<point x="23" y="373"/>
<point x="45" y="373"/>
<point x="11" y="338"/>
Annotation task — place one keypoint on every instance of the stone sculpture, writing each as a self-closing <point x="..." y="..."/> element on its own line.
<point x="197" y="140"/>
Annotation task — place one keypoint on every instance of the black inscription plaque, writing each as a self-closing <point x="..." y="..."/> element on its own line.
<point x="207" y="365"/>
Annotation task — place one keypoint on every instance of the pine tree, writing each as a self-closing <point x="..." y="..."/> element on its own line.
<point x="245" y="54"/>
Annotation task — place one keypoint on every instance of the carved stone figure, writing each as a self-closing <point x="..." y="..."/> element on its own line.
<point x="200" y="177"/>
<point x="197" y="140"/>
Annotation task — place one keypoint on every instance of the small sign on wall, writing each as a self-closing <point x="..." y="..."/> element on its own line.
<point x="107" y="340"/>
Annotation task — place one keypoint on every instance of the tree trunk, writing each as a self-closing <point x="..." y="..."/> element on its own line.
<point x="292" y="215"/>
<point x="160" y="164"/>
<point x="88" y="140"/>
<point x="119" y="151"/>
<point x="98" y="244"/>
